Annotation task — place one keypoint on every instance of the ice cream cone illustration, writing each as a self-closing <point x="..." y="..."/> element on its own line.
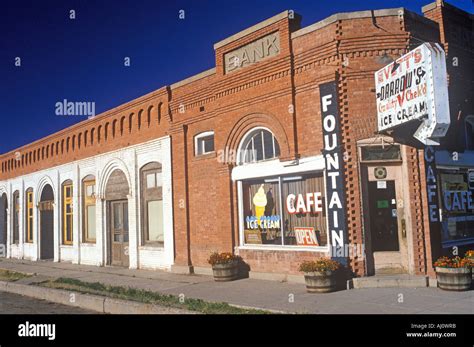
<point x="260" y="201"/>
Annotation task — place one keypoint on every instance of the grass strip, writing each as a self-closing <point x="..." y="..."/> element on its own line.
<point x="11" y="276"/>
<point x="146" y="296"/>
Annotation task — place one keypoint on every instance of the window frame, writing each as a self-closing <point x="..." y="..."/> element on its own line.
<point x="16" y="217"/>
<point x="88" y="201"/>
<point x="67" y="201"/>
<point x="200" y="137"/>
<point x="29" y="216"/>
<point x="249" y="138"/>
<point x="280" y="247"/>
<point x="154" y="168"/>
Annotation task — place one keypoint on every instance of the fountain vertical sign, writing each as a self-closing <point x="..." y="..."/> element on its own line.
<point x="336" y="205"/>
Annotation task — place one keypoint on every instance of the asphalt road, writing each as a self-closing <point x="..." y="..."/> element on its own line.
<point x="18" y="304"/>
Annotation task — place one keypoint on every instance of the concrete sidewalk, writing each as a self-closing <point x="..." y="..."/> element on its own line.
<point x="280" y="296"/>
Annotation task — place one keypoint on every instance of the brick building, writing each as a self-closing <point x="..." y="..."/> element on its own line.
<point x="232" y="159"/>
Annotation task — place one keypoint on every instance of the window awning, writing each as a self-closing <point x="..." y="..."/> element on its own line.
<point x="277" y="167"/>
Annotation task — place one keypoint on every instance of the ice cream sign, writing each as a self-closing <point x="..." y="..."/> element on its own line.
<point x="260" y="220"/>
<point x="415" y="87"/>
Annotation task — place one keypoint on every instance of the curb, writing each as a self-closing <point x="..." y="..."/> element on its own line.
<point x="90" y="302"/>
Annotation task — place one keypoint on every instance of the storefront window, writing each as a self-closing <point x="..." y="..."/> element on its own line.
<point x="285" y="210"/>
<point x="457" y="201"/>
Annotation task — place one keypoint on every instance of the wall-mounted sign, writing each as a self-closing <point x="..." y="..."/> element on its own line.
<point x="380" y="172"/>
<point x="381" y="184"/>
<point x="415" y="87"/>
<point x="458" y="201"/>
<point x="304" y="203"/>
<point x="336" y="206"/>
<point x="470" y="179"/>
<point x="306" y="236"/>
<point x="264" y="222"/>
<point x="253" y="237"/>
<point x="253" y="52"/>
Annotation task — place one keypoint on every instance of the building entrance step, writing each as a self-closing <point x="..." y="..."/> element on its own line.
<point x="389" y="281"/>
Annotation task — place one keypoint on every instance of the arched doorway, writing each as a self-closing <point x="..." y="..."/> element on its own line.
<point x="3" y="225"/>
<point x="116" y="193"/>
<point x="46" y="214"/>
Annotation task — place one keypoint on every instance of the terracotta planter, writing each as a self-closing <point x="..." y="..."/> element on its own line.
<point x="455" y="279"/>
<point x="226" y="272"/>
<point x="320" y="282"/>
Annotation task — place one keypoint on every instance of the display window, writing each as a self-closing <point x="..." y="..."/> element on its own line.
<point x="457" y="202"/>
<point x="284" y="211"/>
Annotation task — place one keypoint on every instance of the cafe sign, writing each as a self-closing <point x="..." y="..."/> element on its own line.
<point x="415" y="88"/>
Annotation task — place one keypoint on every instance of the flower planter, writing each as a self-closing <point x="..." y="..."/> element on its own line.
<point x="472" y="261"/>
<point x="226" y="272"/>
<point x="455" y="279"/>
<point x="320" y="281"/>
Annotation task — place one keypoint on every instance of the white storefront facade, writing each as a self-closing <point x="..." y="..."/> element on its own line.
<point x="141" y="252"/>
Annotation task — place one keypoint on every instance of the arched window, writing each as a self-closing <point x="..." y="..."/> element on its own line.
<point x="16" y="217"/>
<point x="88" y="212"/>
<point x="29" y="215"/>
<point x="67" y="212"/>
<point x="258" y="145"/>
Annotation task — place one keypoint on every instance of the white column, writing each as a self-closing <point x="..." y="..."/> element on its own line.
<point x="77" y="212"/>
<point x="21" y="221"/>
<point x="132" y="213"/>
<point x="100" y="232"/>
<point x="167" y="201"/>
<point x="36" y="221"/>
<point x="57" y="217"/>
<point x="9" y="209"/>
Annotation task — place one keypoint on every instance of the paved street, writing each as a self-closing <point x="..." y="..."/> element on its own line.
<point x="281" y="296"/>
<point x="19" y="304"/>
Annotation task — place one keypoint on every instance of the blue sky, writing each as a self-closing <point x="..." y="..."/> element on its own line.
<point x="83" y="59"/>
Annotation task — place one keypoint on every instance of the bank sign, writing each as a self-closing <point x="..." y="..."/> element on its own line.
<point x="415" y="87"/>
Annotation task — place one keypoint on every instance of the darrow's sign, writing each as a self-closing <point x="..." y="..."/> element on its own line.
<point x="265" y="47"/>
<point x="415" y="87"/>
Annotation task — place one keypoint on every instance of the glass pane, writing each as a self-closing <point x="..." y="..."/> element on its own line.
<point x="150" y="180"/>
<point x="159" y="179"/>
<point x="68" y="228"/>
<point x="303" y="211"/>
<point x="155" y="221"/>
<point x="68" y="208"/>
<point x="91" y="222"/>
<point x="125" y="216"/>
<point x="117" y="216"/>
<point x="258" y="146"/>
<point x="90" y="190"/>
<point x="262" y="216"/>
<point x="381" y="153"/>
<point x="268" y="144"/>
<point x="208" y="144"/>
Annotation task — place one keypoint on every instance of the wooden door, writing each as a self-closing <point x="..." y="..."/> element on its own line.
<point x="119" y="233"/>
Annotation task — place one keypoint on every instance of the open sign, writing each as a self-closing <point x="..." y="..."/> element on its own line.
<point x="306" y="236"/>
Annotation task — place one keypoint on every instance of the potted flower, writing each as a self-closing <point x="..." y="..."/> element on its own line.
<point x="225" y="266"/>
<point x="453" y="273"/>
<point x="320" y="275"/>
<point x="470" y="255"/>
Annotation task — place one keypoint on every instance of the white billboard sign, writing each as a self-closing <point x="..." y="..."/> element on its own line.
<point x="415" y="87"/>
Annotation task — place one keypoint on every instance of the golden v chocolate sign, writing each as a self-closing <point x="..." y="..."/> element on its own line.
<point x="415" y="87"/>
